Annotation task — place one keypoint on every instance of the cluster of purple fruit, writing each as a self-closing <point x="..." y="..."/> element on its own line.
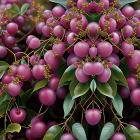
<point x="90" y="56"/>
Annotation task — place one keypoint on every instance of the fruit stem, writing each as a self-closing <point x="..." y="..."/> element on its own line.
<point x="16" y="105"/>
<point x="12" y="53"/>
<point x="9" y="117"/>
<point x="42" y="113"/>
<point x="40" y="108"/>
<point x="26" y="35"/>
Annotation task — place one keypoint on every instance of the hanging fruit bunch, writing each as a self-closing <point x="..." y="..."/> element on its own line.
<point x="70" y="73"/>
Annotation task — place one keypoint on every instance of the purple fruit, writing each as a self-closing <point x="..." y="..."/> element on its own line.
<point x="12" y="28"/>
<point x="113" y="58"/>
<point x="13" y="89"/>
<point x="125" y="92"/>
<point x="74" y="24"/>
<point x="132" y="82"/>
<point x="24" y="71"/>
<point x="135" y="96"/>
<point x="61" y="92"/>
<point x="34" y="43"/>
<point x="47" y="96"/>
<point x="29" y="39"/>
<point x="51" y="60"/>
<point x="81" y="49"/>
<point x="54" y="82"/>
<point x="88" y="68"/>
<point x="58" y="11"/>
<point x="81" y="76"/>
<point x="118" y="136"/>
<point x="104" y="49"/>
<point x="112" y="23"/>
<point x="93" y="116"/>
<point x="58" y="31"/>
<point x="39" y="27"/>
<point x="6" y="79"/>
<point x="17" y="116"/>
<point x="29" y="134"/>
<point x="93" y="26"/>
<point x="38" y="71"/>
<point x="72" y="58"/>
<point x="68" y="136"/>
<point x="59" y="48"/>
<point x="3" y="51"/>
<point x="33" y="60"/>
<point x="128" y="11"/>
<point x="98" y="68"/>
<point x="104" y="76"/>
<point x="38" y="129"/>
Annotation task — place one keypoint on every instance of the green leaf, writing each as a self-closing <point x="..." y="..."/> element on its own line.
<point x="85" y="96"/>
<point x="3" y="106"/>
<point x="107" y="131"/>
<point x="29" y="115"/>
<point x="67" y="105"/>
<point x="2" y="134"/>
<point x="23" y="62"/>
<point x="116" y="124"/>
<point x="50" y="110"/>
<point x="40" y="84"/>
<point x="104" y="88"/>
<point x="62" y="67"/>
<point x="7" y="97"/>
<point x="66" y="83"/>
<point x="123" y="2"/>
<point x="21" y="92"/>
<point x="93" y="85"/>
<point x="113" y="85"/>
<point x="70" y="124"/>
<point x="93" y="19"/>
<point x="53" y="133"/>
<point x="2" y="96"/>
<point x="131" y="132"/>
<point x="118" y="74"/>
<point x="2" y="73"/>
<point x="24" y="8"/>
<point x="3" y="66"/>
<point x="118" y="104"/>
<point x="14" y="10"/>
<point x="26" y="95"/>
<point x="135" y="111"/>
<point x="68" y="75"/>
<point x="72" y="86"/>
<point x="3" y="27"/>
<point x="62" y="2"/>
<point x="96" y="19"/>
<point x="20" y="102"/>
<point x="132" y="129"/>
<point x="136" y="136"/>
<point x="81" y="89"/>
<point x="79" y="132"/>
<point x="100" y="96"/>
<point x="124" y="67"/>
<point x="14" y="127"/>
